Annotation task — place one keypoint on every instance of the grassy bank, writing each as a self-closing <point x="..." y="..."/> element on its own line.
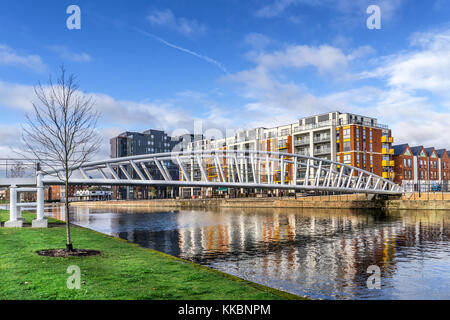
<point x="123" y="271"/>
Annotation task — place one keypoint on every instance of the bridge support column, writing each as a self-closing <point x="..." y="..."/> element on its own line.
<point x="19" y="214"/>
<point x="13" y="221"/>
<point x="40" y="221"/>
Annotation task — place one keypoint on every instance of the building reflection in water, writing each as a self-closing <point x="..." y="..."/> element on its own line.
<point x="319" y="253"/>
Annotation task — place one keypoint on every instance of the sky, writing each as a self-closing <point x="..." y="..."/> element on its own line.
<point x="217" y="66"/>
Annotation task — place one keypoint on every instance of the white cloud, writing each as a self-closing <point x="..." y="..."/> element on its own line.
<point x="271" y="101"/>
<point x="410" y="94"/>
<point x="16" y="96"/>
<point x="413" y="118"/>
<point x="10" y="137"/>
<point x="425" y="69"/>
<point x="166" y="18"/>
<point x="325" y="58"/>
<point x="9" y="57"/>
<point x="257" y="41"/>
<point x="120" y="115"/>
<point x="274" y="9"/>
<point x="345" y="7"/>
<point x="274" y="100"/>
<point x="69" y="55"/>
<point x="426" y="66"/>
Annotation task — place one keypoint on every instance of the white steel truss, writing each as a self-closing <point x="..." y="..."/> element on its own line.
<point x="232" y="169"/>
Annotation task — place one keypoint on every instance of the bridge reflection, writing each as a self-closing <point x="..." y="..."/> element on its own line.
<point x="314" y="252"/>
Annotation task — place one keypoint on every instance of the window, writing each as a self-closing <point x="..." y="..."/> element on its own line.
<point x="346" y="134"/>
<point x="404" y="164"/>
<point x="409" y="162"/>
<point x="346" y="146"/>
<point x="347" y="158"/>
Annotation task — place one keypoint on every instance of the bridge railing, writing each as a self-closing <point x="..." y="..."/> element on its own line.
<point x="230" y="168"/>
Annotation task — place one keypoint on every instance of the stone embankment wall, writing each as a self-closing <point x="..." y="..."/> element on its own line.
<point x="431" y="201"/>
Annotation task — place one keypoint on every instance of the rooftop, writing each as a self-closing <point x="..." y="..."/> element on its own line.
<point x="416" y="150"/>
<point x="429" y="151"/>
<point x="399" y="149"/>
<point x="440" y="152"/>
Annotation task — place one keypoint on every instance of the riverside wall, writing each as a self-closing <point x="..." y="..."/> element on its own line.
<point x="432" y="201"/>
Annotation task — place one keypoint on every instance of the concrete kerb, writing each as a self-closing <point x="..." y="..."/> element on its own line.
<point x="14" y="224"/>
<point x="39" y="223"/>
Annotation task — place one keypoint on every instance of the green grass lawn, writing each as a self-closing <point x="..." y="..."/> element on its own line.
<point x="123" y="271"/>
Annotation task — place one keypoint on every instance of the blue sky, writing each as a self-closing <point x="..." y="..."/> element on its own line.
<point x="233" y="64"/>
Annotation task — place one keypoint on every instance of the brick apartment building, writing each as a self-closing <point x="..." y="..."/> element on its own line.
<point x="418" y="168"/>
<point x="444" y="157"/>
<point x="367" y="147"/>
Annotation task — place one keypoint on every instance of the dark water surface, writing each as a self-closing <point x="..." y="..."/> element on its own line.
<point x="317" y="253"/>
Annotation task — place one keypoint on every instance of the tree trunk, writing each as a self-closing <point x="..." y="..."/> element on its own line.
<point x="69" y="246"/>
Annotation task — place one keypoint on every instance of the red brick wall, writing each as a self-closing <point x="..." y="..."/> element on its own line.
<point x="400" y="169"/>
<point x="445" y="159"/>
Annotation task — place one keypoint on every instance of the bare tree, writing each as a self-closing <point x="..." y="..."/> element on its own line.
<point x="61" y="131"/>
<point x="17" y="170"/>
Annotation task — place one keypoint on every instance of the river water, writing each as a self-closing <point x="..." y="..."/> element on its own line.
<point x="322" y="254"/>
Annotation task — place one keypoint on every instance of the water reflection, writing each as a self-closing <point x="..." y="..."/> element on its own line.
<point x="318" y="253"/>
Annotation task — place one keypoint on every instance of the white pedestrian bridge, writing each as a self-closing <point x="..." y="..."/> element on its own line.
<point x="227" y="168"/>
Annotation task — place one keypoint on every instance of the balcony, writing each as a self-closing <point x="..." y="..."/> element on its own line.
<point x="386" y="139"/>
<point x="283" y="146"/>
<point x="322" y="151"/>
<point x="387" y="151"/>
<point x="303" y="152"/>
<point x="301" y="142"/>
<point x="388" y="175"/>
<point x="322" y="139"/>
<point x="388" y="163"/>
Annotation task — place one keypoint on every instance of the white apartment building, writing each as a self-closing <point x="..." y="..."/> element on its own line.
<point x="313" y="136"/>
<point x="343" y="137"/>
